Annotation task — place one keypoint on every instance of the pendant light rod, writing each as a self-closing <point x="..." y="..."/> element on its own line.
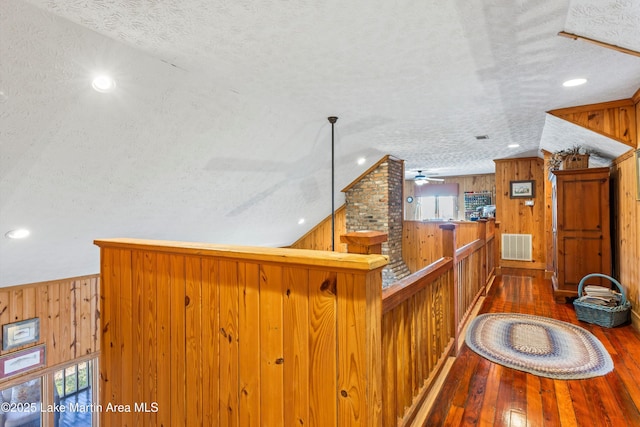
<point x="333" y="120"/>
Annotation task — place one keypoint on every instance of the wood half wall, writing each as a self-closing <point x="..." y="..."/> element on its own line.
<point x="246" y="336"/>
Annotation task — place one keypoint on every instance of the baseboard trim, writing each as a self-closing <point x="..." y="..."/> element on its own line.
<point x="422" y="414"/>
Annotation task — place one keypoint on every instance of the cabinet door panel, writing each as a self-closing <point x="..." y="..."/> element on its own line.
<point x="582" y="256"/>
<point x="581" y="210"/>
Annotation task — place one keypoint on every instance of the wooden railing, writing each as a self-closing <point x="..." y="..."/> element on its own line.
<point x="424" y="314"/>
<point x="231" y="335"/>
<point x="491" y="250"/>
<point x="418" y="333"/>
<point x="471" y="262"/>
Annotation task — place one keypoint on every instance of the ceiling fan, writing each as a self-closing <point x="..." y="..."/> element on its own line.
<point x="421" y="179"/>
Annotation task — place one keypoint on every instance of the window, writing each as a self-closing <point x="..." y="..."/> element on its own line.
<point x="21" y="404"/>
<point x="437" y="201"/>
<point x="62" y="398"/>
<point x="73" y="386"/>
<point x="437" y="207"/>
<point x="73" y="379"/>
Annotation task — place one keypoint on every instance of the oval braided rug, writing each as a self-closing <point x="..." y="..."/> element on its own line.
<point x="539" y="345"/>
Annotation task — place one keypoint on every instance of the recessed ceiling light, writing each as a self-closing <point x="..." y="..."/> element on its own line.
<point x="513" y="145"/>
<point x="103" y="84"/>
<point x="361" y="161"/>
<point x="18" y="233"/>
<point x="301" y="221"/>
<point x="574" y="82"/>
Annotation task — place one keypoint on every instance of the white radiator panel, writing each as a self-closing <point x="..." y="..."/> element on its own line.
<point x="517" y="247"/>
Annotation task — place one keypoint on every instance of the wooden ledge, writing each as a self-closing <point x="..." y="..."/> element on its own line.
<point x="364" y="237"/>
<point x="252" y="253"/>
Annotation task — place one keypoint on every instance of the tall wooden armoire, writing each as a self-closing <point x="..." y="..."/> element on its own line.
<point x="581" y="228"/>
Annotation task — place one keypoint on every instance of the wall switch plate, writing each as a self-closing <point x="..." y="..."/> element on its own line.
<point x="528" y="202"/>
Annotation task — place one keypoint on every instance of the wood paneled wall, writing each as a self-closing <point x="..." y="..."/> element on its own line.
<point x="467" y="232"/>
<point x="422" y="241"/>
<point x="469" y="183"/>
<point x="68" y="313"/>
<point x="614" y="119"/>
<point x="229" y="335"/>
<point x="319" y="237"/>
<point x="513" y="215"/>
<point x="626" y="242"/>
<point x="421" y="244"/>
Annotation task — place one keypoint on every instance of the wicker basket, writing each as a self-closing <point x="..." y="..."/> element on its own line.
<point x="576" y="161"/>
<point x="608" y="317"/>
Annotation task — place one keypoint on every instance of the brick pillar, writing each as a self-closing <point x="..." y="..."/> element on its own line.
<point x="375" y="203"/>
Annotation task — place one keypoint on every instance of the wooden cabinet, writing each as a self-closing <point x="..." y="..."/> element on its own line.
<point x="581" y="230"/>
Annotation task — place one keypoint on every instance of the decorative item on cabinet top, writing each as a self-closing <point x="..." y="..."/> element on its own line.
<point x="576" y="157"/>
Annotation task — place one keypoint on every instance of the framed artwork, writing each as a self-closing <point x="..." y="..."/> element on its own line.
<point x="20" y="333"/>
<point x="522" y="189"/>
<point x="21" y="361"/>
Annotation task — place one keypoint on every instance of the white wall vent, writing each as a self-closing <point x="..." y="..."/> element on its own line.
<point x="517" y="247"/>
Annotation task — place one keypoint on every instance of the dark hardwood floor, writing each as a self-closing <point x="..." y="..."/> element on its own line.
<point x="479" y="392"/>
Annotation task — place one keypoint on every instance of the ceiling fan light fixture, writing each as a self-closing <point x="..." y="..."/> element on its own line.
<point x="420" y="179"/>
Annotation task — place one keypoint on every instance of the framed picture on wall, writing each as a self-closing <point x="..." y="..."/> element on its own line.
<point x="522" y="189"/>
<point x="20" y="333"/>
<point x="21" y="361"/>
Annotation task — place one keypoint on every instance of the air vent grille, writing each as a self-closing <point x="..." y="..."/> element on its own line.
<point x="517" y="247"/>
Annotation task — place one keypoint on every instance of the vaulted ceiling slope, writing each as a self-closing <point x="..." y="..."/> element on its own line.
<point x="217" y="130"/>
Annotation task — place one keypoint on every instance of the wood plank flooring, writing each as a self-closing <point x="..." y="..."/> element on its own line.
<point x="479" y="392"/>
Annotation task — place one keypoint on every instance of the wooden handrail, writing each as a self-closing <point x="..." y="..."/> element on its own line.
<point x="403" y="289"/>
<point x="323" y="259"/>
<point x="469" y="248"/>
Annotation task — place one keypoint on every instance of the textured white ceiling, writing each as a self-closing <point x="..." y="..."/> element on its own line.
<point x="218" y="132"/>
<point x="611" y="21"/>
<point x="560" y="134"/>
